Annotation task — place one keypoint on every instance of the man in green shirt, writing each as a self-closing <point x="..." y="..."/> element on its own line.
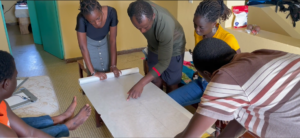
<point x="166" y="45"/>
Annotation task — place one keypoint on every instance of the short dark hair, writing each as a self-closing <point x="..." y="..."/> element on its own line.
<point x="140" y="8"/>
<point x="211" y="54"/>
<point x="7" y="66"/>
<point x="87" y="6"/>
<point x="213" y="10"/>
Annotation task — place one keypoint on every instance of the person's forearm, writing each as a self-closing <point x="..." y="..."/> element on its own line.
<point x="6" y="132"/>
<point x="113" y="53"/>
<point x="38" y="133"/>
<point x="233" y="129"/>
<point x="197" y="126"/>
<point x="164" y="56"/>
<point x="113" y="47"/>
<point x="146" y="79"/>
<point x="86" y="58"/>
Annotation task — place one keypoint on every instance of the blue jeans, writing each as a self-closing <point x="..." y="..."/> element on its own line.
<point x="45" y="124"/>
<point x="191" y="93"/>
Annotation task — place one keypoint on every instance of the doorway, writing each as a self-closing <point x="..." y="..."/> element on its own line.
<point x="45" y="28"/>
<point x="34" y="53"/>
<point x="47" y="20"/>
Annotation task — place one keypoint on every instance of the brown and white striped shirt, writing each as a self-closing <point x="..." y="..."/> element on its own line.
<point x="260" y="90"/>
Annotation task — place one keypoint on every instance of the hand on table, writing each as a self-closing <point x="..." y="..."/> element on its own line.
<point x="101" y="75"/>
<point x="135" y="91"/>
<point x="116" y="71"/>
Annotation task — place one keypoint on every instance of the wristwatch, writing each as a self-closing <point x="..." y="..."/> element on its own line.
<point x="93" y="74"/>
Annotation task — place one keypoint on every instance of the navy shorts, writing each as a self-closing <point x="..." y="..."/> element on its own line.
<point x="172" y="75"/>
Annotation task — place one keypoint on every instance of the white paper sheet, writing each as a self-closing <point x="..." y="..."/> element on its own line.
<point x="188" y="56"/>
<point x="108" y="75"/>
<point x="16" y="99"/>
<point x="154" y="114"/>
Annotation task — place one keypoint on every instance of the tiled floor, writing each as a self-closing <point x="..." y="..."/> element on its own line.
<point x="32" y="60"/>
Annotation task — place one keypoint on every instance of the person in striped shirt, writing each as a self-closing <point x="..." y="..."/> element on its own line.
<point x="257" y="91"/>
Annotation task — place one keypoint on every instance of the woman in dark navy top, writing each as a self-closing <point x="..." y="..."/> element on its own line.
<point x="96" y="32"/>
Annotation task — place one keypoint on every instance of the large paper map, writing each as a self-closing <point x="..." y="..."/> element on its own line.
<point x="154" y="114"/>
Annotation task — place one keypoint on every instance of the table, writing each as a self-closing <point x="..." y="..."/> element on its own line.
<point x="23" y="16"/>
<point x="154" y="114"/>
<point x="81" y="67"/>
<point x="46" y="104"/>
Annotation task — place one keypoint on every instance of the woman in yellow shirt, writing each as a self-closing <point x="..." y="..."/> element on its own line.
<point x="206" y="18"/>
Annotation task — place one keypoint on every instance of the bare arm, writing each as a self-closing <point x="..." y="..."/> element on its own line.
<point x="21" y="128"/>
<point x="84" y="51"/>
<point x="233" y="130"/>
<point x="197" y="126"/>
<point x="113" y="47"/>
<point x="6" y="132"/>
<point x="113" y="51"/>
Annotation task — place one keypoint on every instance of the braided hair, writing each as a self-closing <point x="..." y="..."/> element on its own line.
<point x="138" y="9"/>
<point x="87" y="6"/>
<point x="213" y="10"/>
<point x="213" y="53"/>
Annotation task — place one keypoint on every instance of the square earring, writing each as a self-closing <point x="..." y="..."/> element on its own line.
<point x="214" y="30"/>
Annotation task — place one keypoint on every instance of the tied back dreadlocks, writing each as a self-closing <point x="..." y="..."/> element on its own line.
<point x="213" y="10"/>
<point x="87" y="6"/>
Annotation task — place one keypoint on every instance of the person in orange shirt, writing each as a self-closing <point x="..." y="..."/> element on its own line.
<point x="44" y="126"/>
<point x="207" y="14"/>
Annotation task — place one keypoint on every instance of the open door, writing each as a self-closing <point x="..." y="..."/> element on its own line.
<point x="48" y="20"/>
<point x="34" y="22"/>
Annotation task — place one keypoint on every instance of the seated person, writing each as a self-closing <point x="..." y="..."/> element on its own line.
<point x="258" y="91"/>
<point x="205" y="22"/>
<point x="13" y="126"/>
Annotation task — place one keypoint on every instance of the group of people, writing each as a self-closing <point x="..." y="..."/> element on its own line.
<point x="257" y="92"/>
